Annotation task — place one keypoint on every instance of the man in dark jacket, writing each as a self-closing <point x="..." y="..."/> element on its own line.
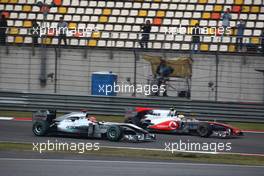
<point x="146" y="28"/>
<point x="240" y="33"/>
<point x="196" y="38"/>
<point x="35" y="31"/>
<point x="3" y="27"/>
<point x="162" y="73"/>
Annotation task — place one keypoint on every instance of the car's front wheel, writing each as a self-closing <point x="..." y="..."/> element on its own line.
<point x="204" y="130"/>
<point x="114" y="133"/>
<point x="40" y="128"/>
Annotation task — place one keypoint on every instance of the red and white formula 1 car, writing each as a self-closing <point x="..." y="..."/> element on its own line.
<point x="169" y="121"/>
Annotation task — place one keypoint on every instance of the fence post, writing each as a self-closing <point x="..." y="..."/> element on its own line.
<point x="135" y="72"/>
<point x="216" y="76"/>
<point x="56" y="70"/>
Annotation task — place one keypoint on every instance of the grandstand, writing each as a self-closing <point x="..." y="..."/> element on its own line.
<point x="118" y="22"/>
<point x="107" y="39"/>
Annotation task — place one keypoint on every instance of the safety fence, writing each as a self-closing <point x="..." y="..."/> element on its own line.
<point x="214" y="77"/>
<point x="106" y="105"/>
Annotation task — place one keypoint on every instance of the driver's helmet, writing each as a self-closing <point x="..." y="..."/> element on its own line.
<point x="92" y="119"/>
<point x="172" y="111"/>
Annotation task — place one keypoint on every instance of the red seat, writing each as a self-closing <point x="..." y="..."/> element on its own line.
<point x="6" y="14"/>
<point x="78" y="34"/>
<point x="51" y="32"/>
<point x="157" y="21"/>
<point x="236" y="9"/>
<point x="57" y="2"/>
<point x="215" y="16"/>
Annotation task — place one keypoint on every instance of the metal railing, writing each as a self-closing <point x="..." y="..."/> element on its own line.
<point x="106" y="105"/>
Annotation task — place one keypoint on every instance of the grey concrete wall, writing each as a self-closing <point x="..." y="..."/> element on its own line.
<point x="237" y="79"/>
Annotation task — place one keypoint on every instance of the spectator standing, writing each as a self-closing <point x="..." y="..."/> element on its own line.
<point x="240" y="34"/>
<point x="3" y="27"/>
<point x="146" y="28"/>
<point x="196" y="38"/>
<point x="35" y="31"/>
<point x="226" y="20"/>
<point x="62" y="27"/>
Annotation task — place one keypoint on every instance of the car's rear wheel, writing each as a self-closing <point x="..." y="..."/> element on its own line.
<point x="40" y="128"/>
<point x="204" y="130"/>
<point x="114" y="133"/>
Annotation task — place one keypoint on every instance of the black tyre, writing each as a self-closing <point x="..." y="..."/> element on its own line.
<point x="114" y="133"/>
<point x="40" y="128"/>
<point x="204" y="130"/>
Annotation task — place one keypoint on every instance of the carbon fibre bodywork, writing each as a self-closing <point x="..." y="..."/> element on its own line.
<point x="78" y="123"/>
<point x="169" y="121"/>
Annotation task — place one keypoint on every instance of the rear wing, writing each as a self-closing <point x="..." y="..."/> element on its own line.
<point x="46" y="115"/>
<point x="135" y="114"/>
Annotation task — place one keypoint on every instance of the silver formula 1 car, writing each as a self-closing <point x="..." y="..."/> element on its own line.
<point x="81" y="124"/>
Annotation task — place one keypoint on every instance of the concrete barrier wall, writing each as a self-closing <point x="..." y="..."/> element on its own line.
<point x="237" y="78"/>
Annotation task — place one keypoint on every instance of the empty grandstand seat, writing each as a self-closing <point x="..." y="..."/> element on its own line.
<point x="124" y="18"/>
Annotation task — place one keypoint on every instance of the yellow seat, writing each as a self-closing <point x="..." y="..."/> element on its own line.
<point x="27" y="24"/>
<point x="92" y="42"/>
<point x="206" y="15"/>
<point x="160" y="13"/>
<point x="203" y="1"/>
<point x="204" y="47"/>
<point x="245" y="8"/>
<point x="107" y="12"/>
<point x="218" y="8"/>
<point x="232" y="31"/>
<point x="193" y="22"/>
<point x="4" y="1"/>
<point x="13" y="1"/>
<point x="103" y="19"/>
<point x="72" y="26"/>
<point x="47" y="41"/>
<point x="190" y="30"/>
<point x="231" y="48"/>
<point x="13" y="31"/>
<point x="255" y="9"/>
<point x="142" y="13"/>
<point x="255" y="40"/>
<point x="26" y="8"/>
<point x="62" y="10"/>
<point x="96" y="34"/>
<point x="157" y="0"/>
<point x="211" y="31"/>
<point x="239" y="2"/>
<point x="19" y="39"/>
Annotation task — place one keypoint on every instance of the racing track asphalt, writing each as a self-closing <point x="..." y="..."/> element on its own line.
<point x="20" y="131"/>
<point x="65" y="167"/>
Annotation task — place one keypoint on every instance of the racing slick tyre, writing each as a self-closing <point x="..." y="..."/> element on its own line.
<point x="204" y="130"/>
<point x="114" y="133"/>
<point x="40" y="128"/>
